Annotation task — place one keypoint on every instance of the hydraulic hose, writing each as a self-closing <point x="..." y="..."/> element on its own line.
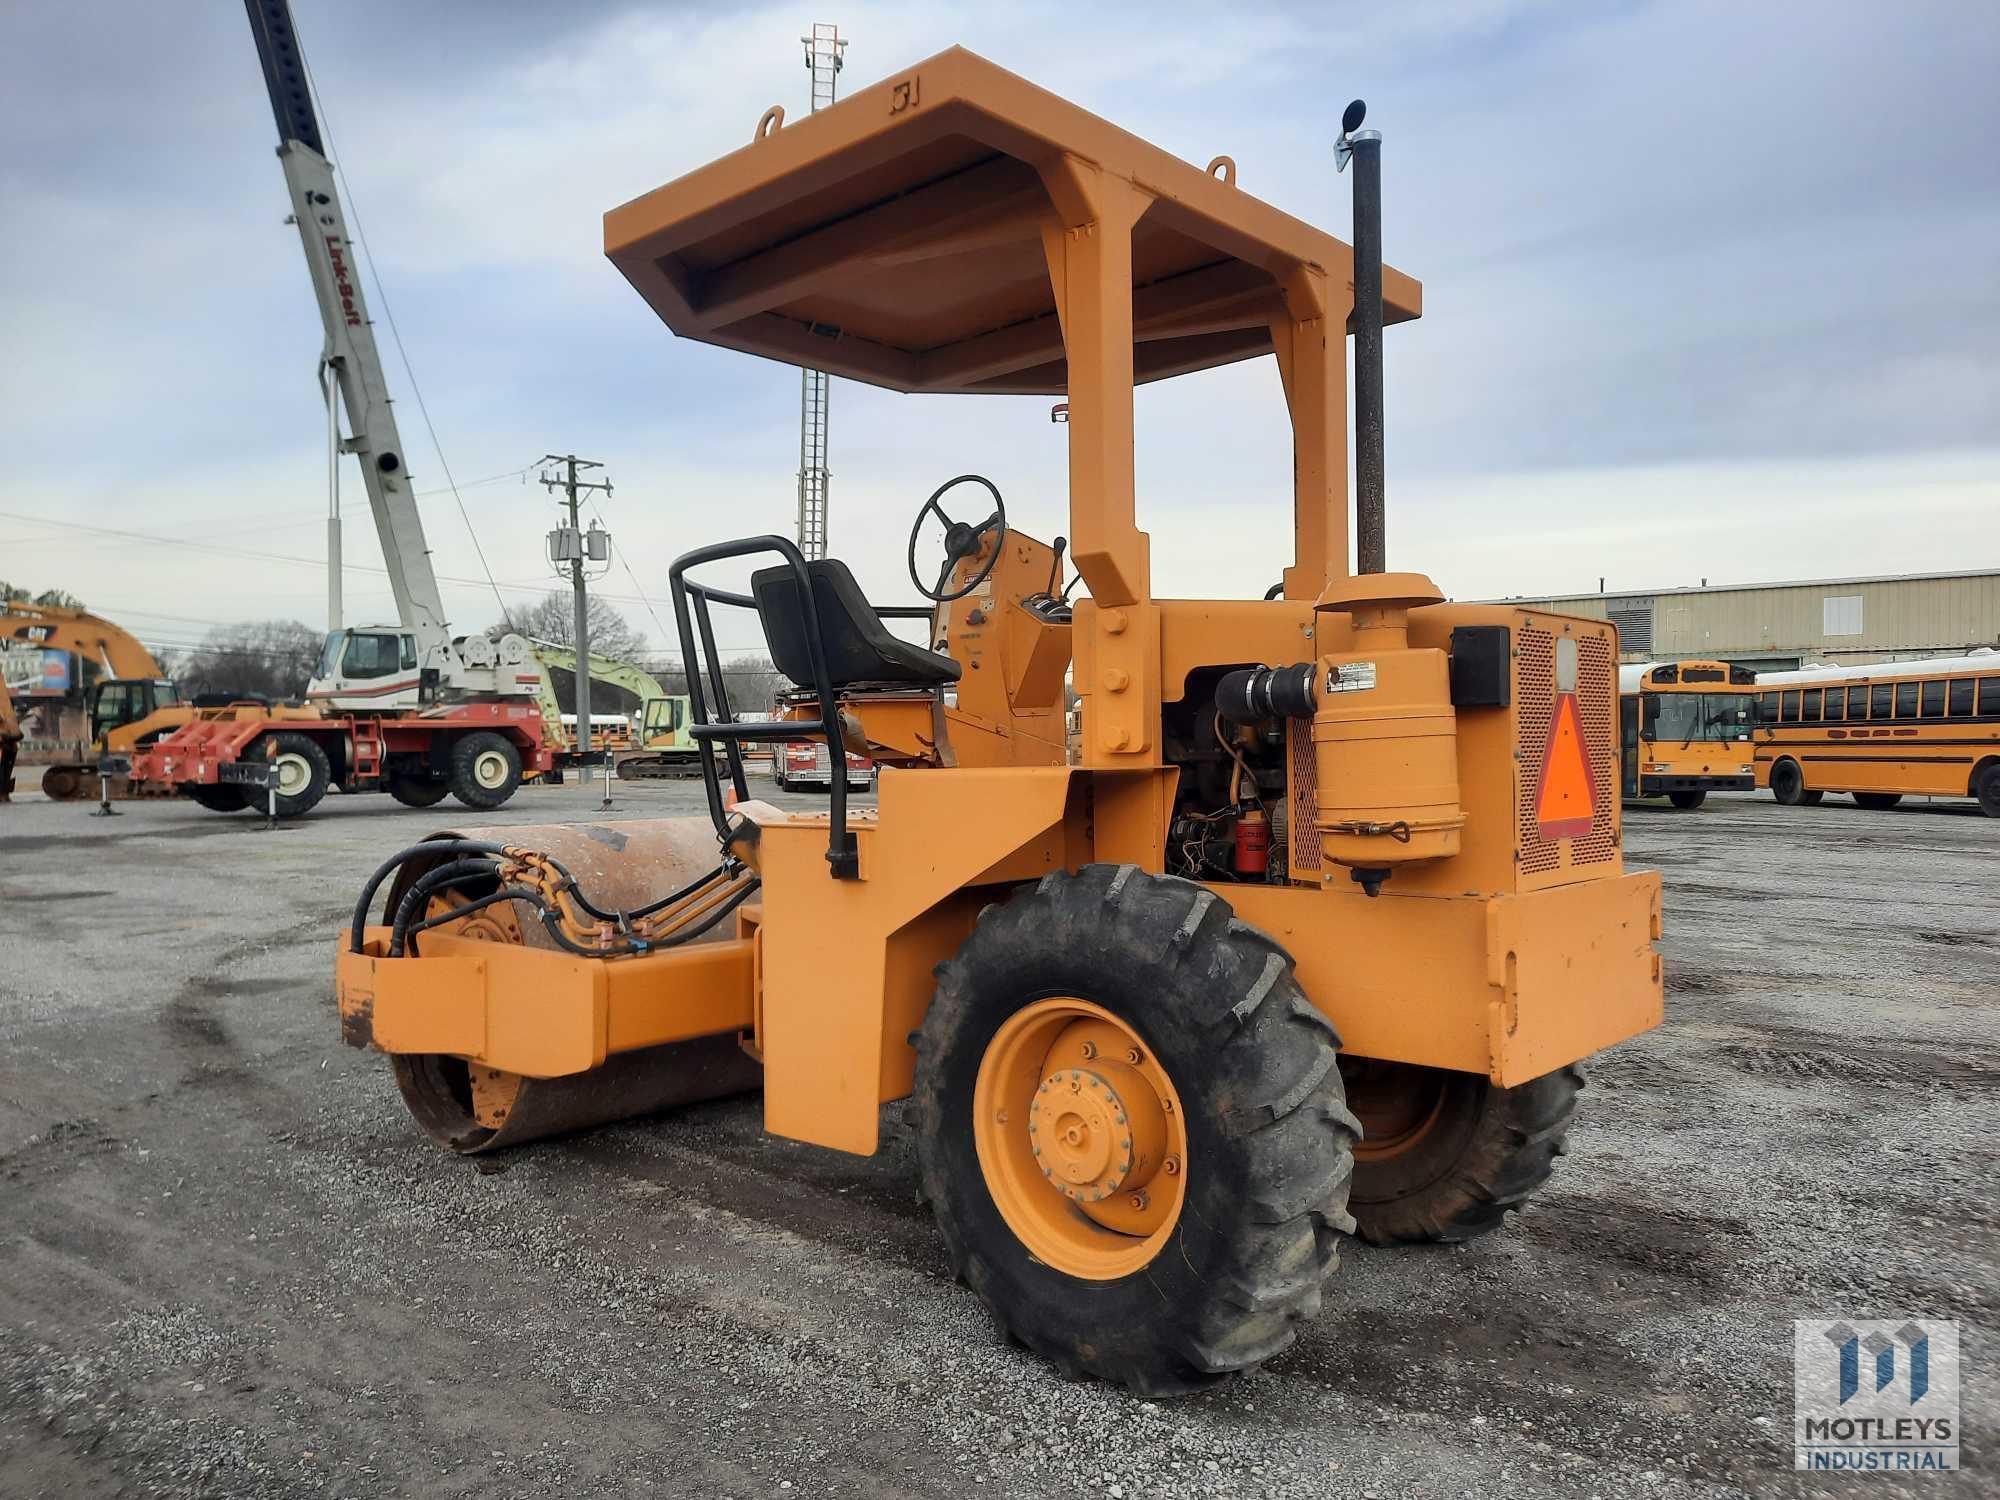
<point x="395" y="862"/>
<point x="479" y="861"/>
<point x="552" y="924"/>
<point x="421" y="890"/>
<point x="505" y="893"/>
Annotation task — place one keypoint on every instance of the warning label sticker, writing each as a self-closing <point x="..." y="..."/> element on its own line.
<point x="1350" y="677"/>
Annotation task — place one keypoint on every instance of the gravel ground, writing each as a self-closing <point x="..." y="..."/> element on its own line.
<point x="230" y="1266"/>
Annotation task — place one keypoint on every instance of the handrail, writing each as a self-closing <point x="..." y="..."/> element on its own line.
<point x="842" y="855"/>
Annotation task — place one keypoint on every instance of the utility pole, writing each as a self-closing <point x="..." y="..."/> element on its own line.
<point x="824" y="50"/>
<point x="570" y="545"/>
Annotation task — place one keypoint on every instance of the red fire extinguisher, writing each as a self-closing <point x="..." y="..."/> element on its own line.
<point x="1253" y="842"/>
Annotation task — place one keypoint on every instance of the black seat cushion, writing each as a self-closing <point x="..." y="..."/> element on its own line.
<point x="859" y="648"/>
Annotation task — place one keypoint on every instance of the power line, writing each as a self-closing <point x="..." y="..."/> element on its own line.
<point x="473" y="484"/>
<point x="619" y="553"/>
<point x="640" y="597"/>
<point x="537" y="589"/>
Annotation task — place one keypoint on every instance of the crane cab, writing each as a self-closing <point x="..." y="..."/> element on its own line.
<point x="374" y="664"/>
<point x="389" y="667"/>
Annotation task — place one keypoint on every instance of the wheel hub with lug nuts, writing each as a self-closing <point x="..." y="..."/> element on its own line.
<point x="293" y="774"/>
<point x="1098" y="1129"/>
<point x="490" y="769"/>
<point x="1080" y="1137"/>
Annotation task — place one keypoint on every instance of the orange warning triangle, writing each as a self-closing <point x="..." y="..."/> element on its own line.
<point x="1566" y="800"/>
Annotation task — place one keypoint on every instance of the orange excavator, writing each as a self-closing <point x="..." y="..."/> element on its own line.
<point x="132" y="703"/>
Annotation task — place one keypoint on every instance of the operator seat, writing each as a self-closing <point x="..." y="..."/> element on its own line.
<point x="859" y="650"/>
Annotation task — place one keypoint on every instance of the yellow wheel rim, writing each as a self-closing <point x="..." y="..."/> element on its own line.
<point x="1081" y="1138"/>
<point x="491" y="1092"/>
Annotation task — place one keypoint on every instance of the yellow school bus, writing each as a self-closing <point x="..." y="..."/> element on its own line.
<point x="1883" y="732"/>
<point x="1684" y="729"/>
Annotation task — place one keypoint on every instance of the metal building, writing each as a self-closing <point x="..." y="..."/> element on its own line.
<point x="1777" y="626"/>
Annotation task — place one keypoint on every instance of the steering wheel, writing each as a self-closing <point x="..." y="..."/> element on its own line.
<point x="960" y="540"/>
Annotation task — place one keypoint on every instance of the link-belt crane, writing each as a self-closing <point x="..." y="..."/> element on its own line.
<point x="418" y="659"/>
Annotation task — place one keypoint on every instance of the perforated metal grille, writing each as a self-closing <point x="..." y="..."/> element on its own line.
<point x="1596" y="702"/>
<point x="1534" y="695"/>
<point x="1596" y="697"/>
<point x="1303" y="778"/>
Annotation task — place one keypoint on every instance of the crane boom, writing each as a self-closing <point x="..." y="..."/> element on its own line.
<point x="350" y="351"/>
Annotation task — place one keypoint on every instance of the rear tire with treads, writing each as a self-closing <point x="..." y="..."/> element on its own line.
<point x="417" y="791"/>
<point x="1788" y="783"/>
<point x="485" y="769"/>
<point x="1269" y="1140"/>
<point x="1447" y="1154"/>
<point x="221" y="798"/>
<point x="304" y="772"/>
<point x="1986" y="787"/>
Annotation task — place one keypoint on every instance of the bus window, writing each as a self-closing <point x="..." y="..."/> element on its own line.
<point x="1767" y="708"/>
<point x="1809" y="713"/>
<point x="1834" y="699"/>
<point x="1961" y="698"/>
<point x="1989" y="696"/>
<point x="1792" y="706"/>
<point x="1878" y="701"/>
<point x="1934" y="700"/>
<point x="1857" y="703"/>
<point x="1906" y="700"/>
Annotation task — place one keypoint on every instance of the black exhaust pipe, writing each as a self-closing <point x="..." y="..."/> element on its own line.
<point x="1364" y="149"/>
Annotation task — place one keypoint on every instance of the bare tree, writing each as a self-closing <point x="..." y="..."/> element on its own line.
<point x="263" y="659"/>
<point x="553" y="619"/>
<point x="61" y="598"/>
<point x="752" y="681"/>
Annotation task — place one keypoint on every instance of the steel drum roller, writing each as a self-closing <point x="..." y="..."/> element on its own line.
<point x="618" y="866"/>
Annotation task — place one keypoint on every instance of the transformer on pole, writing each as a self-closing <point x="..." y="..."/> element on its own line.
<point x="824" y="48"/>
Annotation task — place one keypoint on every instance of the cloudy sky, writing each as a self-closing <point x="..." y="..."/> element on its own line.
<point x="1711" y="290"/>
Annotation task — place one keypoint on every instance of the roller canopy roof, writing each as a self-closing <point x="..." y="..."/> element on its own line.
<point x="896" y="238"/>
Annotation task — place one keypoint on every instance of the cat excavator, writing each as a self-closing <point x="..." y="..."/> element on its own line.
<point x="133" y="703"/>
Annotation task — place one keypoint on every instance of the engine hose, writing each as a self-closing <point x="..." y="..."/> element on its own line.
<point x="414" y="901"/>
<point x="395" y="861"/>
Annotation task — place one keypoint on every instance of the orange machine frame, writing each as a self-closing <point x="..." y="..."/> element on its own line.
<point x="956" y="229"/>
